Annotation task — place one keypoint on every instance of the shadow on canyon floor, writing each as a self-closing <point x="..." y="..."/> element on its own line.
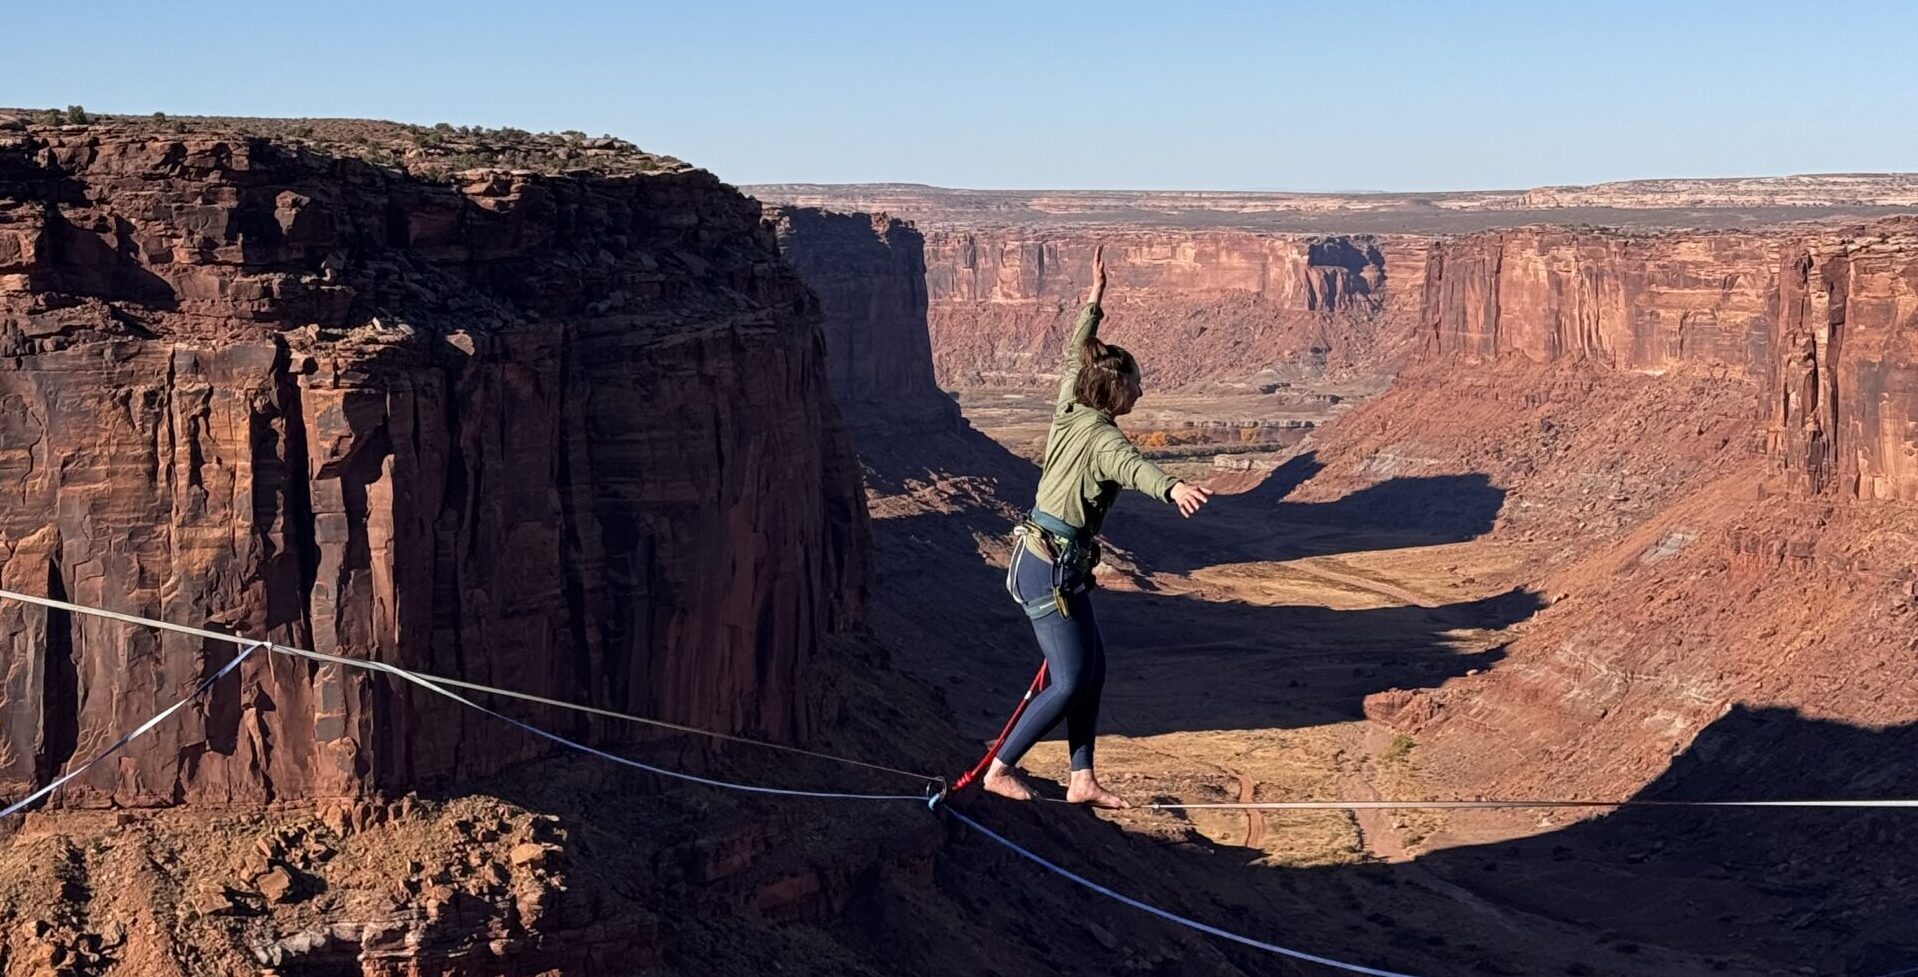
<point x="1637" y="891"/>
<point x="1181" y="664"/>
<point x="1640" y="891"/>
<point x="1823" y="891"/>
<point x="1237" y="665"/>
<point x="1787" y="885"/>
<point x="1262" y="525"/>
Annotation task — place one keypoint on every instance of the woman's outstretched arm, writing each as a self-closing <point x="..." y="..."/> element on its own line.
<point x="1086" y="328"/>
<point x="1117" y="459"/>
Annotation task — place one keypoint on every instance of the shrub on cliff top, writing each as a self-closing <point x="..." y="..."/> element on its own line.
<point x="78" y="115"/>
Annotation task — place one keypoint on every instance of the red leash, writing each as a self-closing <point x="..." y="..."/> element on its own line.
<point x="966" y="779"/>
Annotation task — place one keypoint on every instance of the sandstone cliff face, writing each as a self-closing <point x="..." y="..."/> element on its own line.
<point x="1843" y="380"/>
<point x="570" y="435"/>
<point x="1825" y="321"/>
<point x="1195" y="306"/>
<point x="869" y="271"/>
<point x="1713" y="435"/>
<point x="1633" y="302"/>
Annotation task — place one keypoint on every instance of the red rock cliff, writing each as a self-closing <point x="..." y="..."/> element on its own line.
<point x="1843" y="379"/>
<point x="1824" y="320"/>
<point x="570" y="435"/>
<point x="1196" y="306"/>
<point x="1679" y="415"/>
<point x="869" y="271"/>
<point x="1642" y="302"/>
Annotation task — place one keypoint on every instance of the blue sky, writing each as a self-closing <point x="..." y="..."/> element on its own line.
<point x="1310" y="96"/>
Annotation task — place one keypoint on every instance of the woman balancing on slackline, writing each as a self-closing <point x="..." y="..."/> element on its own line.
<point x="1088" y="460"/>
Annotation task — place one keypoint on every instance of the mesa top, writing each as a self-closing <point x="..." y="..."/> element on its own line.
<point x="1088" y="459"/>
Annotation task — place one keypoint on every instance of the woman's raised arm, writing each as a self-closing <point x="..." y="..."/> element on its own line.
<point x="1086" y="328"/>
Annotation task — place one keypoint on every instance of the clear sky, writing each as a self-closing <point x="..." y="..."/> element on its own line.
<point x="1311" y="96"/>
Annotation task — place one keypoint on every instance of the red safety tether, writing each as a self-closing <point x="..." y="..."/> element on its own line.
<point x="1038" y="682"/>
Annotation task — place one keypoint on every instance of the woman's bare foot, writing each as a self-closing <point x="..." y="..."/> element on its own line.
<point x="1086" y="789"/>
<point x="1005" y="781"/>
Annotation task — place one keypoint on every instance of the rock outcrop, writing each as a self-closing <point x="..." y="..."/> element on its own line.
<point x="869" y="271"/>
<point x="1197" y="307"/>
<point x="568" y="434"/>
<point x="1713" y="437"/>
<point x="1824" y="322"/>
<point x="1639" y="302"/>
<point x="1842" y="388"/>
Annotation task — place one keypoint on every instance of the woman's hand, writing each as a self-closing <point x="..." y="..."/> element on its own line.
<point x="1098" y="275"/>
<point x="1189" y="498"/>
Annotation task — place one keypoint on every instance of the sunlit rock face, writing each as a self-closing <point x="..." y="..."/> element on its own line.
<point x="567" y="434"/>
<point x="1194" y="306"/>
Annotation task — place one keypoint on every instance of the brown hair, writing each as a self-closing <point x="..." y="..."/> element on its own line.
<point x="1103" y="372"/>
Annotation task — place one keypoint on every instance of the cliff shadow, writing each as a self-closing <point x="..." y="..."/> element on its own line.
<point x="1185" y="664"/>
<point x="1178" y="662"/>
<point x="1263" y="524"/>
<point x="83" y="262"/>
<point x="1797" y="890"/>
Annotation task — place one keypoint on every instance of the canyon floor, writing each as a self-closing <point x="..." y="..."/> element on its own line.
<point x="1243" y="645"/>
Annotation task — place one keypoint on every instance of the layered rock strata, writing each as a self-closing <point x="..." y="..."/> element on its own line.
<point x="869" y="271"/>
<point x="567" y="434"/>
<point x="1196" y="307"/>
<point x="1842" y="388"/>
<point x="1712" y="438"/>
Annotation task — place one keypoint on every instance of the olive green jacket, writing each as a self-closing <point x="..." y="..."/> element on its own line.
<point x="1088" y="460"/>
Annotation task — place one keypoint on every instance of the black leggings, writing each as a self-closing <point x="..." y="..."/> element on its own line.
<point x="1075" y="667"/>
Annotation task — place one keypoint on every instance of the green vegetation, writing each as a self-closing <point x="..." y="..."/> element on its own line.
<point x="1400" y="750"/>
<point x="78" y="115"/>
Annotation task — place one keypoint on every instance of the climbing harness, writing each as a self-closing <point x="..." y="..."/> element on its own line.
<point x="1071" y="554"/>
<point x="1069" y="551"/>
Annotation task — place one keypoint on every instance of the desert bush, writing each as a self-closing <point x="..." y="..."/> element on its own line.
<point x="1401" y="748"/>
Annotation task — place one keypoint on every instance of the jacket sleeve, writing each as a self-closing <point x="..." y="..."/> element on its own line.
<point x="1087" y="327"/>
<point x="1118" y="460"/>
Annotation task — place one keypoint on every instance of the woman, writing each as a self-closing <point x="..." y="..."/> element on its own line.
<point x="1088" y="460"/>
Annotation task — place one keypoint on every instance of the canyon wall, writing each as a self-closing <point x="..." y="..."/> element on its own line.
<point x="1710" y="439"/>
<point x="1823" y="320"/>
<point x="1842" y="387"/>
<point x="1629" y="301"/>
<point x="1195" y="306"/>
<point x="869" y="271"/>
<point x="566" y="434"/>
